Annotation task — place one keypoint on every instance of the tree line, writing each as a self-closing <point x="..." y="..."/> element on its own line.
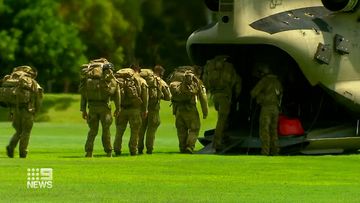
<point x="57" y="36"/>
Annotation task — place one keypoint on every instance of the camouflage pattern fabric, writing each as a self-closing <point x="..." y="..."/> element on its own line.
<point x="99" y="112"/>
<point x="187" y="123"/>
<point x="267" y="93"/>
<point x="222" y="81"/>
<point x="268" y="130"/>
<point x="222" y="103"/>
<point x="133" y="117"/>
<point x="132" y="114"/>
<point x="187" y="119"/>
<point x="22" y="121"/>
<point x="149" y="127"/>
<point x="151" y="123"/>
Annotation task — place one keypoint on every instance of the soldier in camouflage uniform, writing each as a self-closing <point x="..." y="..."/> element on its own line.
<point x="187" y="119"/>
<point x="22" y="116"/>
<point x="222" y="81"/>
<point x="100" y="110"/>
<point x="268" y="92"/>
<point x="132" y="113"/>
<point x="151" y="123"/>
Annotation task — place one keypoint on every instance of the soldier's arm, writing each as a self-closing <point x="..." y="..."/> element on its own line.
<point x="83" y="103"/>
<point x="205" y="78"/>
<point x="38" y="98"/>
<point x="144" y="98"/>
<point x="237" y="85"/>
<point x="117" y="100"/>
<point x="165" y="90"/>
<point x="203" y="100"/>
<point x="258" y="88"/>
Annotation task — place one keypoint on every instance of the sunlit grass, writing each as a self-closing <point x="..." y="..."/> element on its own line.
<point x="166" y="176"/>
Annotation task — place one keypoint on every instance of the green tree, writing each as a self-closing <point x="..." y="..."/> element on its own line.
<point x="167" y="25"/>
<point x="40" y="38"/>
<point x="108" y="28"/>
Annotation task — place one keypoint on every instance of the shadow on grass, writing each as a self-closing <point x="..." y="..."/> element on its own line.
<point x="122" y="155"/>
<point x="58" y="104"/>
<point x="72" y="157"/>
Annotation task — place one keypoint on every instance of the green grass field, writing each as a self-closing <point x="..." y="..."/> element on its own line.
<point x="164" y="176"/>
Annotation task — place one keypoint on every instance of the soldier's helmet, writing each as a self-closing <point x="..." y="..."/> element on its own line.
<point x="263" y="69"/>
<point x="198" y="70"/>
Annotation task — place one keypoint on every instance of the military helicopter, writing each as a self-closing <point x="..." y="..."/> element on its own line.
<point x="314" y="48"/>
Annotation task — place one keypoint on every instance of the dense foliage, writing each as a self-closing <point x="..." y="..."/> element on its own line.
<point x="57" y="36"/>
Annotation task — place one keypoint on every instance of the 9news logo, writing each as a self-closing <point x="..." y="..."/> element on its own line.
<point x="39" y="178"/>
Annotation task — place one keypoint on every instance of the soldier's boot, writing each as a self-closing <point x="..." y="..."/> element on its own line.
<point x="132" y="153"/>
<point x="117" y="153"/>
<point x="109" y="154"/>
<point x="265" y="152"/>
<point x="23" y="154"/>
<point x="188" y="150"/>
<point x="149" y="152"/>
<point x="275" y="152"/>
<point x="140" y="151"/>
<point x="10" y="152"/>
<point x="89" y="154"/>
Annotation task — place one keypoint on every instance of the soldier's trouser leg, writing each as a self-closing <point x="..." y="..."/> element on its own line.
<point x="153" y="124"/>
<point x="274" y="144"/>
<point x="222" y="105"/>
<point x="106" y="120"/>
<point x="142" y="132"/>
<point x="182" y="131"/>
<point x="135" y="124"/>
<point x="121" y="122"/>
<point x="22" y="122"/>
<point x="93" y="123"/>
<point x="27" y="121"/>
<point x="264" y="131"/>
<point x="194" y="128"/>
<point x="16" y="123"/>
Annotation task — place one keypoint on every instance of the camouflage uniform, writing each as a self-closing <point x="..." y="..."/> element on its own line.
<point x="222" y="93"/>
<point x="131" y="114"/>
<point x="22" y="120"/>
<point x="100" y="111"/>
<point x="152" y="121"/>
<point x="268" y="94"/>
<point x="187" y="119"/>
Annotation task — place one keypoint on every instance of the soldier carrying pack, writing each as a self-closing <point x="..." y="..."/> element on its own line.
<point x="130" y="88"/>
<point x="154" y="85"/>
<point x="97" y="81"/>
<point x="19" y="88"/>
<point x="220" y="76"/>
<point x="183" y="84"/>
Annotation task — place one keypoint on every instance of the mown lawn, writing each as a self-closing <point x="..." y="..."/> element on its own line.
<point x="165" y="176"/>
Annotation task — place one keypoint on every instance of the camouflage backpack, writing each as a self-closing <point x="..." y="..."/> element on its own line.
<point x="18" y="87"/>
<point x="130" y="87"/>
<point x="97" y="81"/>
<point x="153" y="83"/>
<point x="183" y="85"/>
<point x="218" y="73"/>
